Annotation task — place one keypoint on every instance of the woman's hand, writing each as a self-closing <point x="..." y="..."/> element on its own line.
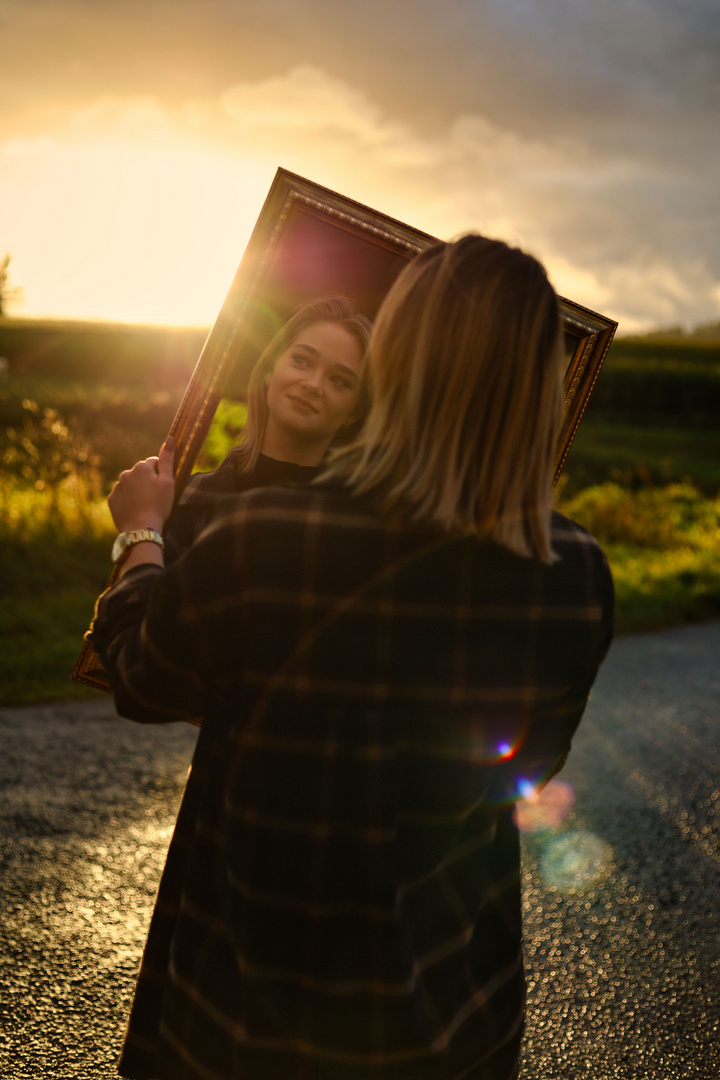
<point x="143" y="496"/>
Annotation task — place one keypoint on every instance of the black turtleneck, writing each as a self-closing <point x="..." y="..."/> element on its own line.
<point x="207" y="494"/>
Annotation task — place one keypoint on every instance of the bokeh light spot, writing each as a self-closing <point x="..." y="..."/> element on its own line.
<point x="527" y="791"/>
<point x="546" y="809"/>
<point x="575" y="862"/>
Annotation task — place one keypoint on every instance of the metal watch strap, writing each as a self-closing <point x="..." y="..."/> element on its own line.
<point x="138" y="535"/>
<point x="125" y="541"/>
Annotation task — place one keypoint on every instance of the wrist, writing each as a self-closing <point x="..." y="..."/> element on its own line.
<point x="144" y="553"/>
<point x="125" y="542"/>
<point x="147" y="521"/>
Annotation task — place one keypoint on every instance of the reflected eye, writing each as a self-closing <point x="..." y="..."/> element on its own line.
<point x="299" y="360"/>
<point x="344" y="384"/>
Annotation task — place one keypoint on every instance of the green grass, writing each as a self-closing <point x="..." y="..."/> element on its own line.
<point x="649" y="494"/>
<point x="638" y="455"/>
<point x="42" y="639"/>
<point x="54" y="561"/>
<point x="116" y="424"/>
<point x="663" y="546"/>
<point x="229" y="420"/>
<point x="150" y="356"/>
<point x="672" y="350"/>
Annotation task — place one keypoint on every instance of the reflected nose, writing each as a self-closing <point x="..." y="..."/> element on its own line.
<point x="311" y="385"/>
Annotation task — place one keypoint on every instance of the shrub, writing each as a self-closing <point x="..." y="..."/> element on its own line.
<point x="225" y="431"/>
<point x="663" y="546"/>
<point x="651" y="517"/>
<point x="43" y="451"/>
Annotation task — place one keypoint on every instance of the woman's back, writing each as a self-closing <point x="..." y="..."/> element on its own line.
<point x="384" y="664"/>
<point x="375" y="695"/>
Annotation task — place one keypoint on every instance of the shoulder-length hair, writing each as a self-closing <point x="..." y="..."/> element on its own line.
<point x="466" y="367"/>
<point x="333" y="309"/>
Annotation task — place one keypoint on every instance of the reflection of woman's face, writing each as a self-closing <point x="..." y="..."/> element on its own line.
<point x="314" y="390"/>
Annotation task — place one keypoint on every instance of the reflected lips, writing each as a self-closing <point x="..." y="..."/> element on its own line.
<point x="302" y="401"/>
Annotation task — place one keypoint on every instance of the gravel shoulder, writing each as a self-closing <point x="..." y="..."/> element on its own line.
<point x="621" y="882"/>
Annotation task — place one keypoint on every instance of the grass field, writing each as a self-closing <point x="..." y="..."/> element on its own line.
<point x="641" y="455"/>
<point x="55" y="560"/>
<point x="651" y="495"/>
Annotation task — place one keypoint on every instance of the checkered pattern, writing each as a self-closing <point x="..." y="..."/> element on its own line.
<point x="206" y="493"/>
<point x="342" y="898"/>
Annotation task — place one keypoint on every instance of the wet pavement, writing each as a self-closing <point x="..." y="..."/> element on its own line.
<point x="622" y="876"/>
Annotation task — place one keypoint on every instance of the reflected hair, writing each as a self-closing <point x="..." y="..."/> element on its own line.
<point x="466" y="366"/>
<point x="340" y="310"/>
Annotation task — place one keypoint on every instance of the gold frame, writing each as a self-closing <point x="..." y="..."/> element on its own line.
<point x="307" y="242"/>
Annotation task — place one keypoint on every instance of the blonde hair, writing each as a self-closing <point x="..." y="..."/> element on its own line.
<point x="332" y="309"/>
<point x="466" y="365"/>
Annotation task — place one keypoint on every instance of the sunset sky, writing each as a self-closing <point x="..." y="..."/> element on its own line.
<point x="139" y="139"/>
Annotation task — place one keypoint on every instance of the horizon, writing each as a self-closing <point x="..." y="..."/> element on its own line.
<point x="706" y="331"/>
<point x="138" y="143"/>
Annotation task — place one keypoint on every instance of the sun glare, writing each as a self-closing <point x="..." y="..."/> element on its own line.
<point x="125" y="232"/>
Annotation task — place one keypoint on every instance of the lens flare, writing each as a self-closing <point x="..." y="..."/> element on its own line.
<point x="575" y="862"/>
<point x="545" y="809"/>
<point x="528" y="792"/>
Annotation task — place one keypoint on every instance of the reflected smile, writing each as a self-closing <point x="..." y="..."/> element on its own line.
<point x="303" y="402"/>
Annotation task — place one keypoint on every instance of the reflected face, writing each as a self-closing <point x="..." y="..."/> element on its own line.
<point x="314" y="388"/>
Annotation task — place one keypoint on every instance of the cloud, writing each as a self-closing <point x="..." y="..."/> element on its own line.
<point x="585" y="132"/>
<point x="560" y="66"/>
<point x="612" y="227"/>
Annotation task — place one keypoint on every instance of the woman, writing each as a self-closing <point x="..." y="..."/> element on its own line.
<point x="385" y="661"/>
<point x="308" y="388"/>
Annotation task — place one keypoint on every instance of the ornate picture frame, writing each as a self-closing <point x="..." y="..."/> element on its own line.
<point x="308" y="242"/>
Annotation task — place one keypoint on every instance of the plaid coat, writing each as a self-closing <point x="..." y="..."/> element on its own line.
<point x="346" y="898"/>
<point x="206" y="492"/>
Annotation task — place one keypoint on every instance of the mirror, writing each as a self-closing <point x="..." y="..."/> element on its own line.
<point x="310" y="242"/>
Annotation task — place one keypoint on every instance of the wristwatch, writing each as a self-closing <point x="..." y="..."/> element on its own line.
<point x="125" y="540"/>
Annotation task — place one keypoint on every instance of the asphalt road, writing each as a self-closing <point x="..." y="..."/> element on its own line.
<point x="622" y="883"/>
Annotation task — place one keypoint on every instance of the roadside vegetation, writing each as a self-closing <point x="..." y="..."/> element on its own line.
<point x="647" y="485"/>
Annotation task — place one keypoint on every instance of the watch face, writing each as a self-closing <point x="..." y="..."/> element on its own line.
<point x="121" y="542"/>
